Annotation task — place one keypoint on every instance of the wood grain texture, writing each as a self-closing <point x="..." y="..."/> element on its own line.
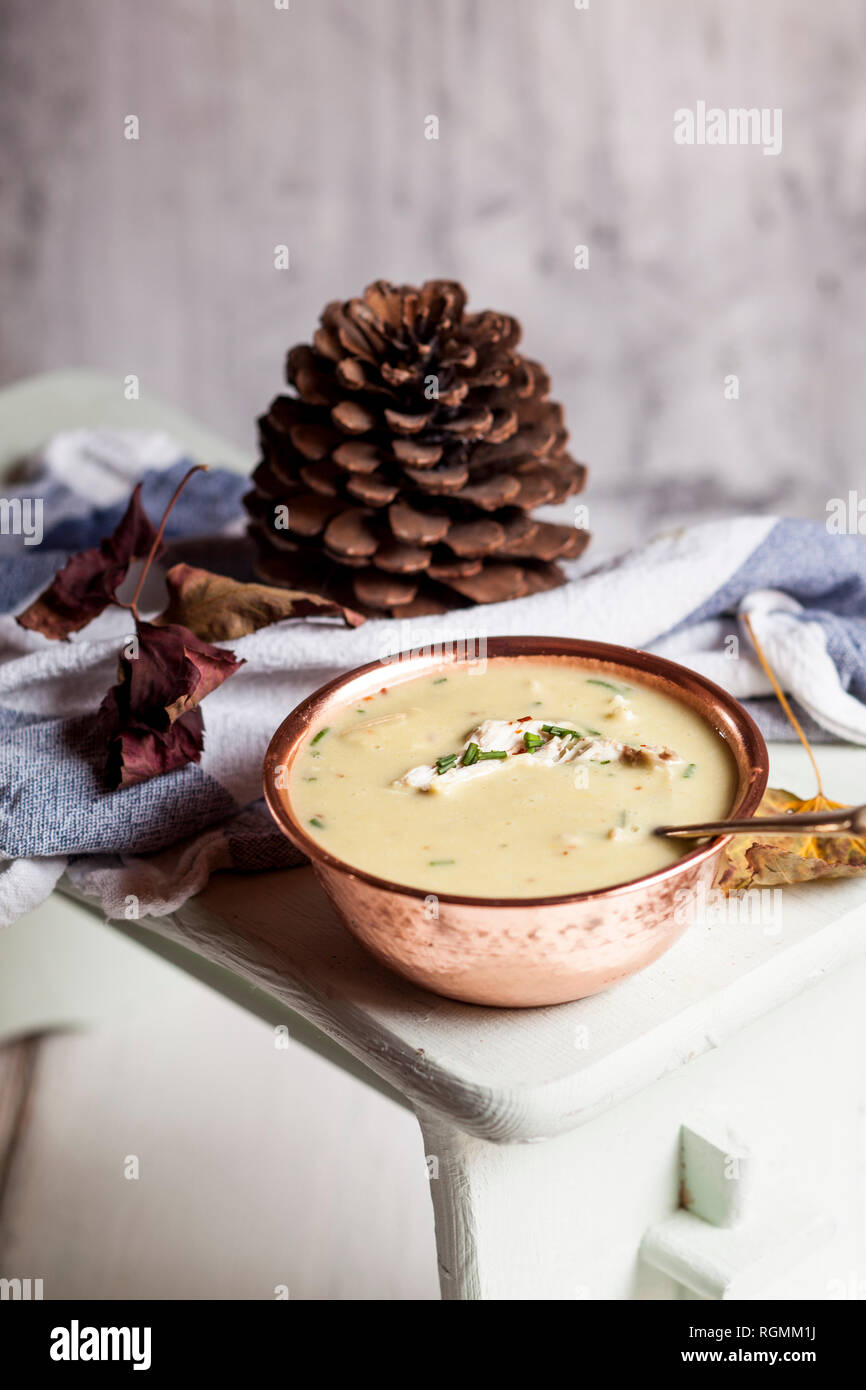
<point x="306" y="127"/>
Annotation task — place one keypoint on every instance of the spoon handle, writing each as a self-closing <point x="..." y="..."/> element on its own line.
<point x="848" y="820"/>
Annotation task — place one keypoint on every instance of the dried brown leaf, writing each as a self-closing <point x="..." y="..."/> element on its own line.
<point x="218" y="609"/>
<point x="766" y="861"/>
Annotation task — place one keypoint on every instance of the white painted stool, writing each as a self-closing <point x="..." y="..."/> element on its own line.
<point x="561" y="1143"/>
<point x="695" y="1132"/>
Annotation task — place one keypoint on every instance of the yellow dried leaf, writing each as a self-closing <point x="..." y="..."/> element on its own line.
<point x="765" y="861"/>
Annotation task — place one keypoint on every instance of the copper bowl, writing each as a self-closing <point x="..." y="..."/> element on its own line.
<point x="519" y="952"/>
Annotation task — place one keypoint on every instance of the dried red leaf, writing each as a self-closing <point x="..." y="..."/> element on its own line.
<point x="136" y="752"/>
<point x="147" y="714"/>
<point x="89" y="581"/>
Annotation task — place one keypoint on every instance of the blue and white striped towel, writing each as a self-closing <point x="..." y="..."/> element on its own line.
<point x="157" y="843"/>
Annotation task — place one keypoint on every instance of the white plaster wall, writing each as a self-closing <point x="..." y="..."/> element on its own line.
<point x="261" y="126"/>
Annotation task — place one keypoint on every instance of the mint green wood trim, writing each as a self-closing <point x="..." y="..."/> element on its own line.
<point x="34" y="409"/>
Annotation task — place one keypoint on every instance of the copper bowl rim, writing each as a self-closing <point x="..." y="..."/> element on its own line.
<point x="287" y="739"/>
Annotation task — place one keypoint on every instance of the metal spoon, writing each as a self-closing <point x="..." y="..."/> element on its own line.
<point x="848" y="820"/>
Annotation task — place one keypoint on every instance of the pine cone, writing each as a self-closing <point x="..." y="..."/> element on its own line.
<point x="402" y="473"/>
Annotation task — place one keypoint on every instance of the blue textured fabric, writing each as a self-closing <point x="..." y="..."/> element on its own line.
<point x="52" y="794"/>
<point x="825" y="573"/>
<point x="209" y="502"/>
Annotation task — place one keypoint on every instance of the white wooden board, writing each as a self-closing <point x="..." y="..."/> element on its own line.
<point x="516" y="1075"/>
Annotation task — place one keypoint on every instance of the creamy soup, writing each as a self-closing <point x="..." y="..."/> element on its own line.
<point x="519" y="779"/>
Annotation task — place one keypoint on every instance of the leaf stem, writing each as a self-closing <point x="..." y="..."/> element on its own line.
<point x="133" y="602"/>
<point x="783" y="700"/>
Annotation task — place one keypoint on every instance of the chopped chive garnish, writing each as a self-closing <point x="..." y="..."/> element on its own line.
<point x="315" y="755"/>
<point x="596" y="733"/>
<point x="441" y="680"/>
<point x="311" y="779"/>
<point x="445" y="762"/>
<point x="494" y="753"/>
<point x="532" y="741"/>
<point x="604" y="762"/>
<point x="536" y="703"/>
<point x="471" y="755"/>
<point x="691" y="770"/>
<point x="434" y="863"/>
<point x="319" y="824"/>
<point x="622" y="818"/>
<point x="608" y="685"/>
<point x="360" y="711"/>
<point x="321" y="734"/>
<point x="559" y="731"/>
